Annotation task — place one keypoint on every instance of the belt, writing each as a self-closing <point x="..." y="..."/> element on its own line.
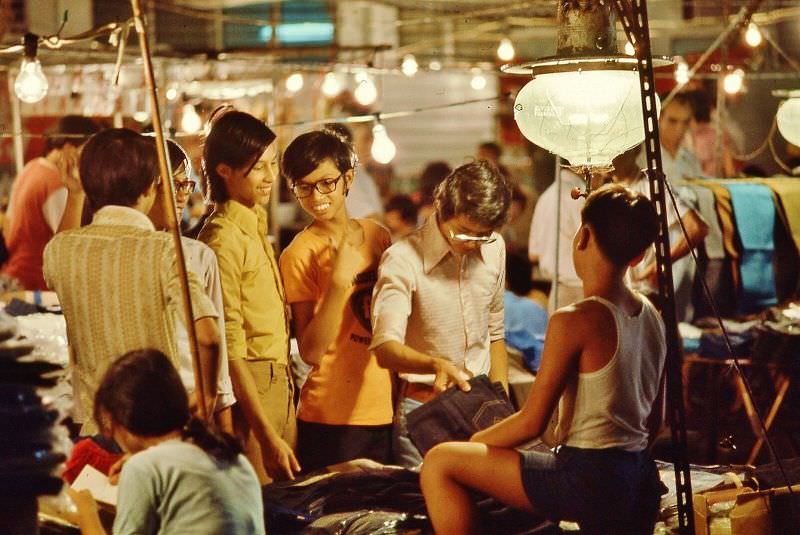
<point x="418" y="391"/>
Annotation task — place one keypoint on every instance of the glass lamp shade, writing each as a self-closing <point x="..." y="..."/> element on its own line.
<point x="789" y="119"/>
<point x="587" y="117"/>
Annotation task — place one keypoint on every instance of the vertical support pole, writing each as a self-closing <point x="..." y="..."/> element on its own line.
<point x="169" y="199"/>
<point x="633" y="15"/>
<point x="16" y="124"/>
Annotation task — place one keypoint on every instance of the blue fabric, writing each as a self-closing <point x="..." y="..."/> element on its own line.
<point x="754" y="210"/>
<point x="525" y="326"/>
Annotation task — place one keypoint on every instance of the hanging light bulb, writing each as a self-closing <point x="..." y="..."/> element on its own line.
<point x="478" y="81"/>
<point x="294" y="82"/>
<point x="435" y="65"/>
<point x="331" y="85"/>
<point x="365" y="93"/>
<point x="733" y="82"/>
<point x="681" y="72"/>
<point x="753" y="35"/>
<point x="31" y="84"/>
<point x="505" y="50"/>
<point x="629" y="49"/>
<point x="190" y="120"/>
<point x="172" y="93"/>
<point x="788" y="118"/>
<point x="383" y="149"/>
<point x="409" y="65"/>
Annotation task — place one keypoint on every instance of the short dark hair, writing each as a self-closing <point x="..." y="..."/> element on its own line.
<point x="492" y="147"/>
<point x="178" y="156"/>
<point x="236" y="139"/>
<point x="72" y="130"/>
<point x="307" y="151"/>
<point x="518" y="273"/>
<point x="477" y="190"/>
<point x="624" y="222"/>
<point x="682" y="97"/>
<point x="341" y="129"/>
<point x="142" y="392"/>
<point x="432" y="176"/>
<point x="404" y="206"/>
<point x="117" y="166"/>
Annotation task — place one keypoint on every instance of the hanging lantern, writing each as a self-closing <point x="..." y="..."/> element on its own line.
<point x="788" y="118"/>
<point x="583" y="104"/>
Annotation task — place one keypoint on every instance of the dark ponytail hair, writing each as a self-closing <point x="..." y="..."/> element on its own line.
<point x="142" y="392"/>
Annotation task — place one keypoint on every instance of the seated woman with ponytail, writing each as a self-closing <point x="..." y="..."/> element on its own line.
<point x="182" y="476"/>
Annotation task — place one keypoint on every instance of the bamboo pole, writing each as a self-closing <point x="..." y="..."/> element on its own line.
<point x="168" y="195"/>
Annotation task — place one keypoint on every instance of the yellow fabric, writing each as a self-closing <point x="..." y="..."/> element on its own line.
<point x="118" y="285"/>
<point x="348" y="387"/>
<point x="256" y="324"/>
<point x="787" y="190"/>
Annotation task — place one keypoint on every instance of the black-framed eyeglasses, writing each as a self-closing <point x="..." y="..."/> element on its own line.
<point x="185" y="186"/>
<point x="302" y="190"/>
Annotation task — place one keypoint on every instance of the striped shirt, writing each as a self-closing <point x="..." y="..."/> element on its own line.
<point x="118" y="285"/>
<point x="430" y="301"/>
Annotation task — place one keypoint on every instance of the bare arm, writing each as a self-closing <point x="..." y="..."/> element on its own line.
<point x="208" y="345"/>
<point x="401" y="358"/>
<point x="73" y="211"/>
<point x="279" y="460"/>
<point x="563" y="345"/>
<point x="697" y="230"/>
<point x="316" y="332"/>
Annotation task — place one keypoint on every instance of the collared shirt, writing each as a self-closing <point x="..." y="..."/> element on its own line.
<point x="118" y="285"/>
<point x="557" y="220"/>
<point x="256" y="322"/>
<point x="438" y="304"/>
<point x="201" y="261"/>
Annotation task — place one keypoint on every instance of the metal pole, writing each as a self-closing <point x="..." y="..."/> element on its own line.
<point x="16" y="124"/>
<point x="633" y="15"/>
<point x="554" y="289"/>
<point x="168" y="195"/>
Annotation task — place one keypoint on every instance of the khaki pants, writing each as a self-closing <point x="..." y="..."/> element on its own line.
<point x="276" y="395"/>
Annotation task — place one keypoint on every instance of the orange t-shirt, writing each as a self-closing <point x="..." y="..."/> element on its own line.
<point x="347" y="387"/>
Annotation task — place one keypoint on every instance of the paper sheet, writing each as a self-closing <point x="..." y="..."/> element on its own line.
<point x="98" y="484"/>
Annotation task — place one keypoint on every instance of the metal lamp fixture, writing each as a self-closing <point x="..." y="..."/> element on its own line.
<point x="584" y="103"/>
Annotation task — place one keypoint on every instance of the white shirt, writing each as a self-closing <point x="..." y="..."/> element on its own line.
<point x="201" y="261"/>
<point x="440" y="305"/>
<point x="548" y="226"/>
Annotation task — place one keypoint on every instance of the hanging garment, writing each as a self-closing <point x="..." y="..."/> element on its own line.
<point x="754" y="210"/>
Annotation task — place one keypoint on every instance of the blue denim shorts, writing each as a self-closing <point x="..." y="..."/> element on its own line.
<point x="604" y="490"/>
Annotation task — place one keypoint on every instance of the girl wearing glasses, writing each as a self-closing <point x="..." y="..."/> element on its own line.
<point x="329" y="271"/>
<point x="240" y="162"/>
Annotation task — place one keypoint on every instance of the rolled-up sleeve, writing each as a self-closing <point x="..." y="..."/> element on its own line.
<point x="497" y="307"/>
<point x="391" y="300"/>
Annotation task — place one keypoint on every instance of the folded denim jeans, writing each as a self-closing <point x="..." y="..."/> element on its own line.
<point x="457" y="415"/>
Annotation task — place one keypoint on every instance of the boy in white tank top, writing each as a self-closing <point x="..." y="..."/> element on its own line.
<point x="603" y="361"/>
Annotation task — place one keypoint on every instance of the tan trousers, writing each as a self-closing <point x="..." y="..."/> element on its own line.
<point x="276" y="395"/>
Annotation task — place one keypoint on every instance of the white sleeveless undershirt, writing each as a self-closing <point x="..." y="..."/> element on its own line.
<point x="608" y="408"/>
